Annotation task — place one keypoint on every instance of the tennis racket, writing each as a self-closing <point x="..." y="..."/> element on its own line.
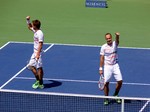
<point x="101" y="82"/>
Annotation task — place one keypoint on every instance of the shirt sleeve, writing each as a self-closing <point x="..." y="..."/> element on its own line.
<point x="102" y="51"/>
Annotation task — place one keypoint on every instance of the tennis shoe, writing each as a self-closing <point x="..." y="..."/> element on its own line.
<point x="106" y="102"/>
<point x="35" y="85"/>
<point x="118" y="100"/>
<point x="41" y="86"/>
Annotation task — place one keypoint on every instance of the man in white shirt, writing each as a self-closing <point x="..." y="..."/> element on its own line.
<point x="109" y="65"/>
<point x="35" y="63"/>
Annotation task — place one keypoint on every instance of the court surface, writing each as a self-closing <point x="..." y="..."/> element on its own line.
<point x="73" y="69"/>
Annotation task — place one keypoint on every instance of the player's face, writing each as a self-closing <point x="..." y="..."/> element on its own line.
<point x="108" y="39"/>
<point x="34" y="27"/>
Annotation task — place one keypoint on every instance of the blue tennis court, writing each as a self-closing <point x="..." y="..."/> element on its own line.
<point x="73" y="69"/>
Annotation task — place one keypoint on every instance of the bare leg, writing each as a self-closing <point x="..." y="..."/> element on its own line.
<point x="34" y="71"/>
<point x="40" y="75"/>
<point x="106" y="89"/>
<point x="118" y="87"/>
<point x="106" y="92"/>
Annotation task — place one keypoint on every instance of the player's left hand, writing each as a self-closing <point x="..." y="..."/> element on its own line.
<point x="37" y="56"/>
<point x="100" y="72"/>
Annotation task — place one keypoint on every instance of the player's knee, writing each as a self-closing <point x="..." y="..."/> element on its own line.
<point x="120" y="82"/>
<point x="40" y="70"/>
<point x="32" y="68"/>
<point x="107" y="84"/>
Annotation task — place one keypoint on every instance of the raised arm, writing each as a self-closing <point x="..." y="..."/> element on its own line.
<point x="29" y="23"/>
<point x="117" y="38"/>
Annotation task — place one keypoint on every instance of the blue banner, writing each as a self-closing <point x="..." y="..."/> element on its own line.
<point x="96" y="3"/>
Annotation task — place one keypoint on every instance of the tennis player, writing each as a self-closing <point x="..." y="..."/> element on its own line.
<point x="109" y="65"/>
<point x="35" y="63"/>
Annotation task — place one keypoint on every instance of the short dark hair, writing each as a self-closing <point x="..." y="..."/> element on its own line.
<point x="108" y="34"/>
<point x="36" y="23"/>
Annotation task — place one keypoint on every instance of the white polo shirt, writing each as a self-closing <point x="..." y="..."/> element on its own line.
<point x="109" y="53"/>
<point x="38" y="37"/>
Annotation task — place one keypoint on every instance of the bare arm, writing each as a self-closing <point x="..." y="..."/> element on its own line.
<point x="101" y="64"/>
<point x="28" y="23"/>
<point x="117" y="38"/>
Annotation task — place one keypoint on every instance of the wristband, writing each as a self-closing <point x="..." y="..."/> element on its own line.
<point x="100" y="68"/>
<point x="28" y="21"/>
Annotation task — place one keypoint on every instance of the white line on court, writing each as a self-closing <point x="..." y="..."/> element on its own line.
<point x="83" y="81"/>
<point x="13" y="77"/>
<point x="4" y="45"/>
<point x="22" y="69"/>
<point x="145" y="105"/>
<point x="82" y="45"/>
<point x="49" y="47"/>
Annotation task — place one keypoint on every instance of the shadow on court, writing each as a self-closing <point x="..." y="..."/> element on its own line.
<point x="52" y="84"/>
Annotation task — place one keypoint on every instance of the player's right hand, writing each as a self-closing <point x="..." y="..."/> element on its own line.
<point x="117" y="33"/>
<point x="100" y="72"/>
<point x="28" y="17"/>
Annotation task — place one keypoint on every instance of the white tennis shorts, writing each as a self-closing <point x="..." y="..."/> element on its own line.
<point x="114" y="70"/>
<point x="34" y="62"/>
